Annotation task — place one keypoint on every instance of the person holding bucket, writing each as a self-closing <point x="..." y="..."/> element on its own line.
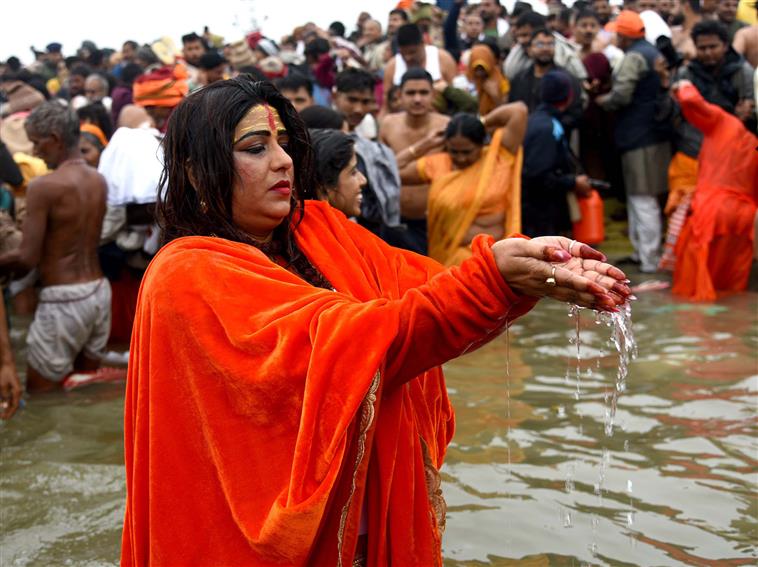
<point x="550" y="186"/>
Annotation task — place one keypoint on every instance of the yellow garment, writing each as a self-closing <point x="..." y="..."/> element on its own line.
<point x="30" y="167"/>
<point x="682" y="180"/>
<point x="746" y="12"/>
<point x="458" y="197"/>
<point x="482" y="56"/>
<point x="53" y="86"/>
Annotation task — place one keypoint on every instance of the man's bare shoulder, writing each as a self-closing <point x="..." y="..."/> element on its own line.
<point x="60" y="180"/>
<point x="392" y="119"/>
<point x="439" y="120"/>
<point x="748" y="33"/>
<point x="44" y="184"/>
<point x="391" y="127"/>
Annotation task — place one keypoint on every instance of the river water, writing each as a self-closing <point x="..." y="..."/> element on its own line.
<point x="531" y="478"/>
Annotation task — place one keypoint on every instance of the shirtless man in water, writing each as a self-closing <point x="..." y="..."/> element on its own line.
<point x="410" y="134"/>
<point x="61" y="233"/>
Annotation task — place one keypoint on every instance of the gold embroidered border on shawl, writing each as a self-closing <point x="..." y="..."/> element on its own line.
<point x="434" y="491"/>
<point x="367" y="418"/>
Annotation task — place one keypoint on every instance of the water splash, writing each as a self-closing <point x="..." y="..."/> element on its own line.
<point x="575" y="313"/>
<point x="622" y="339"/>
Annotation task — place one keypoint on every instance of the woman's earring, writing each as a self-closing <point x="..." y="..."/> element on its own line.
<point x="203" y="206"/>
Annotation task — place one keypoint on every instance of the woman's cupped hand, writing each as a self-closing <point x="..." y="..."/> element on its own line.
<point x="563" y="269"/>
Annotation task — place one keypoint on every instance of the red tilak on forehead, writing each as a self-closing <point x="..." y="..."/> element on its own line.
<point x="271" y="119"/>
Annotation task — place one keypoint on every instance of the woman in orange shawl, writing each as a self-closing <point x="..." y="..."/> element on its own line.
<point x="714" y="251"/>
<point x="483" y="71"/>
<point x="284" y="402"/>
<point x="474" y="188"/>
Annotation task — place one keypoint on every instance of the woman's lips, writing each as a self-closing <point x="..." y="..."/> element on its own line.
<point x="283" y="188"/>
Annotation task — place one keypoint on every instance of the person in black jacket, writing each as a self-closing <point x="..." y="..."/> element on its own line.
<point x="548" y="173"/>
<point x="525" y="87"/>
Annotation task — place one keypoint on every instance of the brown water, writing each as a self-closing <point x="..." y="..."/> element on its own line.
<point x="531" y="477"/>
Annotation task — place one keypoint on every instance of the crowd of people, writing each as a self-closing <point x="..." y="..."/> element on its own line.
<point x="429" y="129"/>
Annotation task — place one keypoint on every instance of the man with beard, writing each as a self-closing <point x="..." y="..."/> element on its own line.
<point x="413" y="133"/>
<point x="494" y="25"/>
<point x="564" y="52"/>
<point x="681" y="36"/>
<point x="721" y="75"/>
<point x="77" y="76"/>
<point x="727" y="15"/>
<point x="193" y="48"/>
<point x="603" y="10"/>
<point x="525" y="87"/>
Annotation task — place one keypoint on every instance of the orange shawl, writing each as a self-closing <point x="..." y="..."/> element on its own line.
<point x="482" y="56"/>
<point x="714" y="251"/>
<point x="166" y="86"/>
<point x="458" y="197"/>
<point x="262" y="414"/>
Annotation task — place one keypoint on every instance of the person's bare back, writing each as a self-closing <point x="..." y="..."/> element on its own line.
<point x="746" y="44"/>
<point x="68" y="205"/>
<point x="400" y="134"/>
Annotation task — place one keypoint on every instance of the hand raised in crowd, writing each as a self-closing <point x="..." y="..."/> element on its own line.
<point x="582" y="186"/>
<point x="563" y="269"/>
<point x="491" y="86"/>
<point x="440" y="85"/>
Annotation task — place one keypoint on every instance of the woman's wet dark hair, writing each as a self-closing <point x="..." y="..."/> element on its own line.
<point x="333" y="151"/>
<point x="199" y="165"/>
<point x="468" y="126"/>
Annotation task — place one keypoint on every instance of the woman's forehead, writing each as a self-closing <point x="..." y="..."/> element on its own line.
<point x="260" y="118"/>
<point x="461" y="142"/>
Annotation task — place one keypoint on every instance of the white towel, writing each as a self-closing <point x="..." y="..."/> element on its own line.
<point x="132" y="165"/>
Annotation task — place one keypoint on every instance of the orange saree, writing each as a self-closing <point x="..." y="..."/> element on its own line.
<point x="457" y="197"/>
<point x="263" y="415"/>
<point x="714" y="252"/>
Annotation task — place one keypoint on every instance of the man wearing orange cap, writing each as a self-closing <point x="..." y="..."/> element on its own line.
<point x="641" y="136"/>
<point x="159" y="91"/>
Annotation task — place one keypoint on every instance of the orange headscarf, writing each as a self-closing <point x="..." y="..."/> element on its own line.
<point x="95" y="131"/>
<point x="166" y="86"/>
<point x="482" y="56"/>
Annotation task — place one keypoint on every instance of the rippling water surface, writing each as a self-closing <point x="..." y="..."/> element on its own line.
<point x="531" y="478"/>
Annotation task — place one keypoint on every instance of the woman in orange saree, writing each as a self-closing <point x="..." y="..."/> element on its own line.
<point x="285" y="403"/>
<point x="475" y="188"/>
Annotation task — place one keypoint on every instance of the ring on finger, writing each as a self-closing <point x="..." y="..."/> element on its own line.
<point x="551" y="280"/>
<point x="571" y="246"/>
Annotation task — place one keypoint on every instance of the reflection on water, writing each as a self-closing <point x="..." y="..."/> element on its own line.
<point x="530" y="480"/>
<point x="675" y="483"/>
